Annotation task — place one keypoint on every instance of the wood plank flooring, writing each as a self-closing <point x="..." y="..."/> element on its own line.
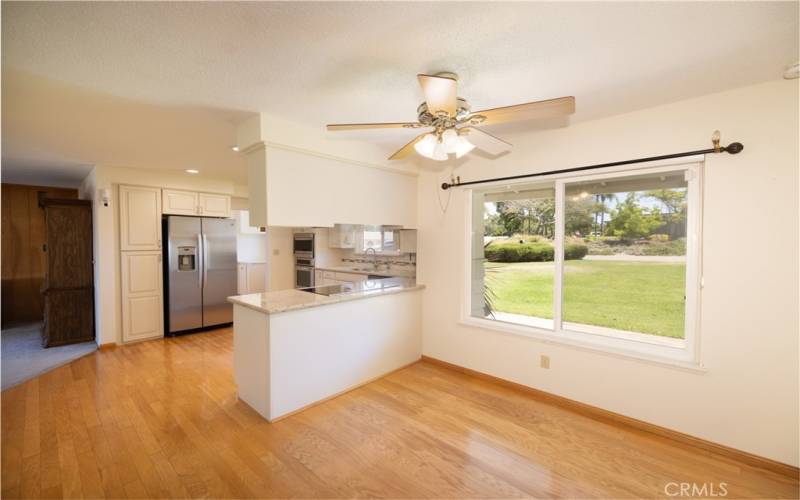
<point x="161" y="419"/>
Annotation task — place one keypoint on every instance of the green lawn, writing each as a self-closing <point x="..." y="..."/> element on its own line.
<point x="645" y="297"/>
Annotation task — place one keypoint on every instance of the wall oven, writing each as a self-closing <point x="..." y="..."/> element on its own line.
<point x="304" y="246"/>
<point x="303" y="273"/>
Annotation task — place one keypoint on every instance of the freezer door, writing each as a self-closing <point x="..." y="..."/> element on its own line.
<point x="219" y="270"/>
<point x="185" y="276"/>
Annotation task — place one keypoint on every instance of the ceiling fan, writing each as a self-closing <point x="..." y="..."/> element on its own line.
<point x="454" y="124"/>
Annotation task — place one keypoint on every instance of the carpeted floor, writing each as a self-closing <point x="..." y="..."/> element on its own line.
<point x="23" y="356"/>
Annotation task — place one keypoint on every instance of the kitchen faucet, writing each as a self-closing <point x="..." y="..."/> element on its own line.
<point x="374" y="257"/>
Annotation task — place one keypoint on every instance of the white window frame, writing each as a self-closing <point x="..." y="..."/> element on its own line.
<point x="683" y="354"/>
<point x="359" y="247"/>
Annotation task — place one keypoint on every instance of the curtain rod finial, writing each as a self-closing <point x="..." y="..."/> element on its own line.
<point x="734" y="148"/>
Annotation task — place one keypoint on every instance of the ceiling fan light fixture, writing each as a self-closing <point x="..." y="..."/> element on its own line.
<point x="450" y="140"/>
<point x="431" y="147"/>
<point x="451" y="117"/>
<point x="463" y="146"/>
<point x="426" y="145"/>
<point x="439" y="152"/>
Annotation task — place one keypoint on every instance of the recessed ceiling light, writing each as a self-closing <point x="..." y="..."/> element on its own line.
<point x="235" y="148"/>
<point x="192" y="171"/>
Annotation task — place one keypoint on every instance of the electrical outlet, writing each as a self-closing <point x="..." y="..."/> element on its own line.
<point x="544" y="361"/>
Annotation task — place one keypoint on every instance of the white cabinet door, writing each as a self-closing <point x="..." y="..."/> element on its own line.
<point x="342" y="236"/>
<point x="180" y="202"/>
<point x="241" y="279"/>
<point x="139" y="218"/>
<point x="348" y="236"/>
<point x="256" y="278"/>
<point x="215" y="205"/>
<point x="408" y="240"/>
<point x="142" y="296"/>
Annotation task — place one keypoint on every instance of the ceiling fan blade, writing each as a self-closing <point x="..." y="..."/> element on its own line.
<point x="358" y="126"/>
<point x="528" y="111"/>
<point x="407" y="149"/>
<point x="440" y="93"/>
<point x="484" y="141"/>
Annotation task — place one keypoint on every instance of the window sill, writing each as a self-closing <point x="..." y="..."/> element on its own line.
<point x="589" y="342"/>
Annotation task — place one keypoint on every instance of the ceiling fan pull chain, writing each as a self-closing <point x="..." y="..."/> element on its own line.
<point x="446" y="205"/>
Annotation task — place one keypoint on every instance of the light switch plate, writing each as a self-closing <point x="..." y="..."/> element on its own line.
<point x="276" y="251"/>
<point x="544" y="361"/>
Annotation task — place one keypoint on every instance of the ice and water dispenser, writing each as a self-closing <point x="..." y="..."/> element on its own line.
<point x="187" y="258"/>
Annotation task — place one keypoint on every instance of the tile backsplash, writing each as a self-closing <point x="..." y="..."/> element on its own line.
<point x="407" y="259"/>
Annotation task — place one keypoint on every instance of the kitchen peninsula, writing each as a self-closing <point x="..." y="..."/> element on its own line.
<point x="294" y="348"/>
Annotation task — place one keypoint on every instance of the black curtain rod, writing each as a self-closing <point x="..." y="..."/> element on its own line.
<point x="732" y="148"/>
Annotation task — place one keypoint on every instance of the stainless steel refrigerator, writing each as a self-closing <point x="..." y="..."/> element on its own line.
<point x="200" y="272"/>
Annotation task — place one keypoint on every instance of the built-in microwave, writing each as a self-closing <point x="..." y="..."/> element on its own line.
<point x="304" y="245"/>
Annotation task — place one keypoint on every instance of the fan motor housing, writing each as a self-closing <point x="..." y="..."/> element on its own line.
<point x="425" y="117"/>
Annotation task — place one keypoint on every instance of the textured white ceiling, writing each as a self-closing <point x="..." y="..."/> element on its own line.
<point x="352" y="62"/>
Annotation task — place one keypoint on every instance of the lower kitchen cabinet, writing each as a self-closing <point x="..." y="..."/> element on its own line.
<point x="252" y="277"/>
<point x="142" y="296"/>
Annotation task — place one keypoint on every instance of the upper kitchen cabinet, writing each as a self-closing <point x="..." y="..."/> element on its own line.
<point x="140" y="218"/>
<point x="342" y="236"/>
<point x="408" y="241"/>
<point x="180" y="202"/>
<point x="177" y="202"/>
<point x="215" y="205"/>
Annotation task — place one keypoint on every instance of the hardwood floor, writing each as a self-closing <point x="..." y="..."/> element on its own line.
<point x="161" y="419"/>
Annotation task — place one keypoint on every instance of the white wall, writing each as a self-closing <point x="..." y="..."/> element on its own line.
<point x="108" y="295"/>
<point x="251" y="247"/>
<point x="748" y="397"/>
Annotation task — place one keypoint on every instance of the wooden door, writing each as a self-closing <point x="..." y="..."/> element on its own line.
<point x="215" y="205"/>
<point x="140" y="218"/>
<point x="180" y="202"/>
<point x="68" y="287"/>
<point x="142" y="296"/>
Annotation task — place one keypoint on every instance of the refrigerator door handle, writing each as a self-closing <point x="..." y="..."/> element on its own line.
<point x="205" y="260"/>
<point x="199" y="258"/>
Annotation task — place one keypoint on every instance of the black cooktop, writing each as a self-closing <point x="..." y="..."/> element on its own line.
<point x="330" y="289"/>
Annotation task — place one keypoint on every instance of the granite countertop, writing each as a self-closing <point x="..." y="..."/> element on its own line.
<point x="403" y="272"/>
<point x="293" y="299"/>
